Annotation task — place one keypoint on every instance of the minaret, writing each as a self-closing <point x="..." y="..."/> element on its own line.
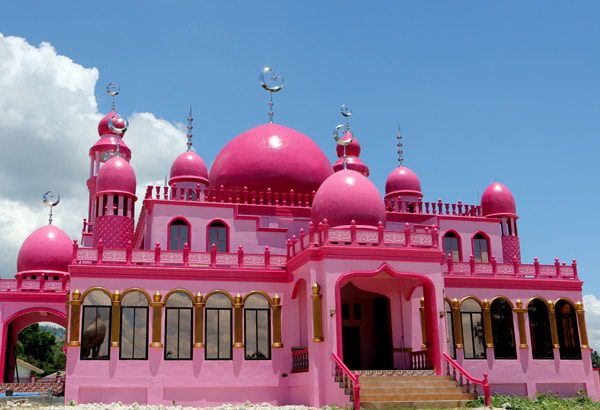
<point x="498" y="202"/>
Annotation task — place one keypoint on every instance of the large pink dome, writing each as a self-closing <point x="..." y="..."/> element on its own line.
<point x="116" y="176"/>
<point x="497" y="200"/>
<point x="189" y="167"/>
<point x="346" y="196"/>
<point x="270" y="156"/>
<point x="47" y="248"/>
<point x="402" y="181"/>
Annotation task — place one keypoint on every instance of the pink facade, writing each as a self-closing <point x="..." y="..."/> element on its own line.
<point x="276" y="269"/>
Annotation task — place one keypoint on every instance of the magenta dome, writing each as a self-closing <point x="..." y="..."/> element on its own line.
<point x="353" y="161"/>
<point x="270" y="156"/>
<point x="189" y="167"/>
<point x="497" y="200"/>
<point x="116" y="176"/>
<point x="109" y="143"/>
<point x="348" y="196"/>
<point x="103" y="124"/>
<point x="47" y="248"/>
<point x="352" y="149"/>
<point x="402" y="181"/>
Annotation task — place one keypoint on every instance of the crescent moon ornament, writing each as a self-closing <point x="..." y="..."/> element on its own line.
<point x="271" y="81"/>
<point x="51" y="199"/>
<point x="112" y="89"/>
<point x="118" y="124"/>
<point x="341" y="135"/>
<point x="346" y="111"/>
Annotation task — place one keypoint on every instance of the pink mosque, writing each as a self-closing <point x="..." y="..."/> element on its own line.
<point x="279" y="277"/>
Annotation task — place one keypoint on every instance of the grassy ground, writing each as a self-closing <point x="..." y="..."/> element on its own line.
<point x="541" y="402"/>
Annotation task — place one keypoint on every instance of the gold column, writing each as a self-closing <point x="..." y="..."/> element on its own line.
<point x="423" y="324"/>
<point x="582" y="327"/>
<point x="199" y="321"/>
<point x="238" y="335"/>
<point x="116" y="319"/>
<point x="157" y="306"/>
<point x="277" y="322"/>
<point x="521" y="319"/>
<point x="487" y="321"/>
<point x="317" y="313"/>
<point x="457" y="324"/>
<point x="75" y="317"/>
<point x="553" y="328"/>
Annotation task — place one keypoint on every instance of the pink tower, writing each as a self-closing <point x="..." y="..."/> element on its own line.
<point x="498" y="202"/>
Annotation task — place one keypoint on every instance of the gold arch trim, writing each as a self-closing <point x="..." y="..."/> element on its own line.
<point x="504" y="298"/>
<point x="566" y="299"/>
<point x="223" y="292"/>
<point x="179" y="290"/>
<point x="130" y="290"/>
<point x="258" y="292"/>
<point x="475" y="298"/>
<point x="538" y="298"/>
<point x="95" y="288"/>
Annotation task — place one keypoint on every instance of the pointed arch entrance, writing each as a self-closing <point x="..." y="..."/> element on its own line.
<point x="385" y="293"/>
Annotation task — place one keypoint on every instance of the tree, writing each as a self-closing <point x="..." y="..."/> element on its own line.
<point x="595" y="359"/>
<point x="39" y="347"/>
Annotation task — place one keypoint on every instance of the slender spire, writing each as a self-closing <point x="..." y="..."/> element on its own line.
<point x="113" y="90"/>
<point x="190" y="119"/>
<point x="346" y="138"/>
<point x="51" y="199"/>
<point x="400" y="147"/>
<point x="272" y="83"/>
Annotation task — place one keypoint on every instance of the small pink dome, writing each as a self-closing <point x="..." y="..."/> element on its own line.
<point x="353" y="161"/>
<point x="497" y="200"/>
<point x="109" y="143"/>
<point x="346" y="196"/>
<point x="270" y="156"/>
<point x="47" y="248"/>
<point x="116" y="176"/>
<point x="189" y="167"/>
<point x="352" y="149"/>
<point x="402" y="181"/>
<point x="103" y="124"/>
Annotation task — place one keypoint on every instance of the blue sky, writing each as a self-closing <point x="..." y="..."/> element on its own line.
<point x="482" y="90"/>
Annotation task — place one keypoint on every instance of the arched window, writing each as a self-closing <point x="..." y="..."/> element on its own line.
<point x="357" y="311"/>
<point x="452" y="246"/>
<point x="95" y="329"/>
<point x="568" y="332"/>
<point x="481" y="248"/>
<point x="503" y="331"/>
<point x="178" y="327"/>
<point x="217" y="234"/>
<point x="472" y="328"/>
<point x="179" y="234"/>
<point x="257" y="328"/>
<point x="218" y="327"/>
<point x="134" y="326"/>
<point x="539" y="330"/>
<point x="450" y="330"/>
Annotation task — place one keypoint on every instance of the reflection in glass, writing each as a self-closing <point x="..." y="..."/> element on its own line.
<point x="539" y="329"/>
<point x="568" y="332"/>
<point x="451" y="246"/>
<point x="134" y="326"/>
<point x="480" y="248"/>
<point x="95" y="329"/>
<point x="217" y="234"/>
<point x="503" y="331"/>
<point x="472" y="328"/>
<point x="450" y="330"/>
<point x="178" y="235"/>
<point x="257" y="322"/>
<point x="218" y="327"/>
<point x="178" y="327"/>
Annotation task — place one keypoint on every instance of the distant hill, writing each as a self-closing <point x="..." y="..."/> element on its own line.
<point x="57" y="331"/>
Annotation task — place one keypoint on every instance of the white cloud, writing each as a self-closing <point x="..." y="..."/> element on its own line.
<point x="48" y="122"/>
<point x="591" y="305"/>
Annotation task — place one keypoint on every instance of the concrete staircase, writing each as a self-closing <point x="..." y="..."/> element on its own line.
<point x="411" y="390"/>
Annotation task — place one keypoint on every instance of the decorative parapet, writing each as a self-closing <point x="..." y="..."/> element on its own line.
<point x="432" y="208"/>
<point x="36" y="281"/>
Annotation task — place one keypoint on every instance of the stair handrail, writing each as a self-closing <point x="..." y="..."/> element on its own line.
<point x="485" y="385"/>
<point x="353" y="377"/>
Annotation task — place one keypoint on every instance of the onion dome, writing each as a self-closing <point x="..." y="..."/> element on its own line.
<point x="189" y="167"/>
<point x="109" y="143"/>
<point x="497" y="201"/>
<point x="402" y="181"/>
<point x="118" y="122"/>
<point x="353" y="161"/>
<point x="116" y="176"/>
<point x="47" y="248"/>
<point x="270" y="156"/>
<point x="348" y="196"/>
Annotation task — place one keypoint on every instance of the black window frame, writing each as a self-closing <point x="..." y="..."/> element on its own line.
<point x="218" y="309"/>
<point x="542" y="338"/>
<point x="451" y="316"/>
<point x="470" y="314"/>
<point x="109" y="307"/>
<point x="566" y="352"/>
<point x="256" y="310"/>
<point x="501" y="332"/>
<point x="179" y="309"/>
<point x="146" y="308"/>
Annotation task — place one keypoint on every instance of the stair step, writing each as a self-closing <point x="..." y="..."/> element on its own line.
<point x="407" y="390"/>
<point x="407" y="377"/>
<point x="415" y="397"/>
<point x="425" y="404"/>
<point x="406" y="383"/>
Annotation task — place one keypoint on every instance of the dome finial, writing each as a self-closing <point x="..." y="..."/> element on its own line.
<point x="347" y="137"/>
<point x="400" y="146"/>
<point x="272" y="83"/>
<point x="189" y="127"/>
<point x="51" y="199"/>
<point x="118" y="125"/>
<point x="113" y="90"/>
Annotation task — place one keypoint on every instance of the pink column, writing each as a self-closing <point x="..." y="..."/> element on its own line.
<point x="433" y="334"/>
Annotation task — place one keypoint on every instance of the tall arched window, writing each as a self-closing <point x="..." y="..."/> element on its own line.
<point x="472" y="329"/>
<point x="568" y="332"/>
<point x="179" y="234"/>
<point x="257" y="328"/>
<point x="450" y="330"/>
<point x="481" y="248"/>
<point x="134" y="326"/>
<point x="452" y="246"/>
<point x="539" y="330"/>
<point x="95" y="329"/>
<point x="217" y="234"/>
<point x="503" y="331"/>
<point x="218" y="327"/>
<point x="178" y="327"/>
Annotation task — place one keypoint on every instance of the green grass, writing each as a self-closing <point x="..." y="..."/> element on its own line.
<point x="541" y="402"/>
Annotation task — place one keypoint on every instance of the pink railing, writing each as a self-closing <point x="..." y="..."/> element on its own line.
<point x="347" y="380"/>
<point x="466" y="381"/>
<point x="426" y="237"/>
<point x="33" y="281"/>
<point x="185" y="257"/>
<point x="419" y="360"/>
<point x="299" y="360"/>
<point x="515" y="269"/>
<point x="243" y="196"/>
<point x="432" y="208"/>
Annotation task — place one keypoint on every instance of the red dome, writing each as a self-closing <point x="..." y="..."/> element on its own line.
<point x="109" y="143"/>
<point x="497" y="200"/>
<point x="47" y="248"/>
<point x="402" y="181"/>
<point x="116" y="176"/>
<point x="270" y="156"/>
<point x="189" y="167"/>
<point x="346" y="196"/>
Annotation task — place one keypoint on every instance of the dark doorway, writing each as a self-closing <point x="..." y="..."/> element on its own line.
<point x="383" y="336"/>
<point x="351" y="338"/>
